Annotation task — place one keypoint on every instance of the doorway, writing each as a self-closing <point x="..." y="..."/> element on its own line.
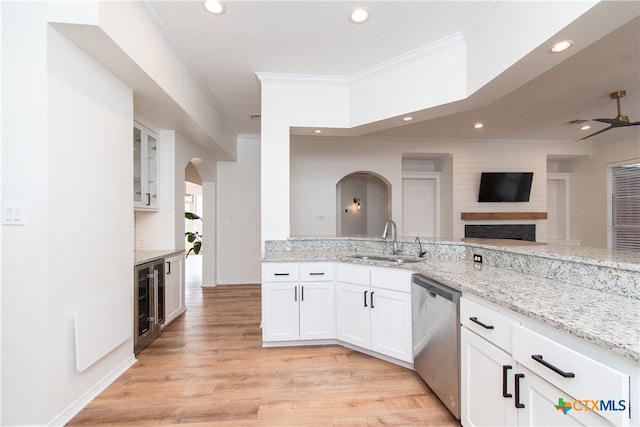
<point x="557" y="207"/>
<point x="420" y="198"/>
<point x="363" y="201"/>
<point x="193" y="203"/>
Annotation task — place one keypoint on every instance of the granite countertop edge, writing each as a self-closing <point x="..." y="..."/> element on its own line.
<point x="148" y="255"/>
<point x="606" y="320"/>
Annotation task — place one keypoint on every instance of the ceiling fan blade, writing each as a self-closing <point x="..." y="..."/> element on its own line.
<point x="596" y="133"/>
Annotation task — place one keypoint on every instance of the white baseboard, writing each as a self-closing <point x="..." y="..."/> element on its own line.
<point x="74" y="409"/>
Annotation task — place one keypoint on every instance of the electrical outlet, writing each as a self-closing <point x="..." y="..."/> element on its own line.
<point x="477" y="258"/>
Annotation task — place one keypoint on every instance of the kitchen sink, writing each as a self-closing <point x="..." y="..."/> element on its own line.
<point x="388" y="258"/>
<point x="372" y="257"/>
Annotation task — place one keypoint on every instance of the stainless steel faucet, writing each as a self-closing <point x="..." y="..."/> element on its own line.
<point x="395" y="235"/>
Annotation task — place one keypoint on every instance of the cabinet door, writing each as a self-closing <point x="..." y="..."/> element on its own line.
<point x="353" y="323"/>
<point x="150" y="198"/>
<point x="280" y="319"/>
<point x="485" y="379"/>
<point x="391" y="323"/>
<point x="137" y="166"/>
<point x="145" y="168"/>
<point x="317" y="311"/>
<point x="174" y="287"/>
<point x="541" y="401"/>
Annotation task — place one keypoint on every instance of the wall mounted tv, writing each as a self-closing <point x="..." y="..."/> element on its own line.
<point x="505" y="186"/>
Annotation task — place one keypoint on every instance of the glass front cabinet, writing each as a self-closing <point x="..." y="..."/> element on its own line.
<point x="145" y="168"/>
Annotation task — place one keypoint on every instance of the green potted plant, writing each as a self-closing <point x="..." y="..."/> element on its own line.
<point x="193" y="237"/>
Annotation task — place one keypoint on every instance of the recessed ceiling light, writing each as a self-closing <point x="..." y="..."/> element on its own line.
<point x="561" y="46"/>
<point x="359" y="15"/>
<point x="215" y="6"/>
<point x="317" y="131"/>
<point x="407" y="119"/>
<point x="585" y="127"/>
<point x="478" y="126"/>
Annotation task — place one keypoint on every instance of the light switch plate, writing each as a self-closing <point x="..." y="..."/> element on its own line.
<point x="14" y="214"/>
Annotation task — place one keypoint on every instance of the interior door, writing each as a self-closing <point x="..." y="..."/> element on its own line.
<point x="419" y="207"/>
<point x="556" y="209"/>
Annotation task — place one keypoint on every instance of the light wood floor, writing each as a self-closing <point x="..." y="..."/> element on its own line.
<point x="208" y="367"/>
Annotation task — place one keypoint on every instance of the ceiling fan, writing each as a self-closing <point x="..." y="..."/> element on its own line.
<point x="619" y="120"/>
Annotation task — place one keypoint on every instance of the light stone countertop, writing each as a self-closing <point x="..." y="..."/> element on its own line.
<point x="144" y="256"/>
<point x="607" y="320"/>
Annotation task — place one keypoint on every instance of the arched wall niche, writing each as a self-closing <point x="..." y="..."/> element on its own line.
<point x="363" y="201"/>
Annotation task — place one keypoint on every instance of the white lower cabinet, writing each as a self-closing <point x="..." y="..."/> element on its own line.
<point x="174" y="287"/>
<point x="487" y="390"/>
<point x="511" y="375"/>
<point x="298" y="302"/>
<point x="376" y="318"/>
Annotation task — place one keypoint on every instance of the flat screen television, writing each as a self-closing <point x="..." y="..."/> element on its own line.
<point x="505" y="186"/>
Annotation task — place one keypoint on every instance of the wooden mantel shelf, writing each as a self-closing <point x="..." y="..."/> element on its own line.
<point x="472" y="216"/>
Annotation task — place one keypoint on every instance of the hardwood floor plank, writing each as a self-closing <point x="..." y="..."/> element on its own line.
<point x="209" y="368"/>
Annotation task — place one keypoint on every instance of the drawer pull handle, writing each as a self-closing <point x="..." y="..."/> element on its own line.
<point x="517" y="402"/>
<point x="316" y="274"/>
<point x="475" y="320"/>
<point x="372" y="299"/>
<point x="281" y="274"/>
<point x="365" y="298"/>
<point x="505" y="369"/>
<point x="538" y="358"/>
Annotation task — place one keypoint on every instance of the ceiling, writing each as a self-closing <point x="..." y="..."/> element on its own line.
<point x="316" y="38"/>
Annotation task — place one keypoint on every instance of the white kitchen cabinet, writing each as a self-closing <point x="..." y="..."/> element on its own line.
<point x="174" y="287"/>
<point x="486" y="367"/>
<point x="511" y="375"/>
<point x="145" y="168"/>
<point x="552" y="370"/>
<point x="373" y="308"/>
<point x="487" y="391"/>
<point x="298" y="302"/>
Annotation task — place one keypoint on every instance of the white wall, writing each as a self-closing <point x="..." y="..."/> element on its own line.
<point x="90" y="221"/>
<point x="68" y="129"/>
<point x="239" y="215"/>
<point x="318" y="163"/>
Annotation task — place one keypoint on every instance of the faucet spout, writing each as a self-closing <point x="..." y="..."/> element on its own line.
<point x="395" y="235"/>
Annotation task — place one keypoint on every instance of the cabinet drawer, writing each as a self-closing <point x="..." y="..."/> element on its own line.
<point x="592" y="380"/>
<point x="356" y="274"/>
<point x="280" y="272"/>
<point x="497" y="329"/>
<point x="391" y="278"/>
<point x="317" y="272"/>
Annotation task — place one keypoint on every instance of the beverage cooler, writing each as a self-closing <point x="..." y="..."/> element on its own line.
<point x="149" y="303"/>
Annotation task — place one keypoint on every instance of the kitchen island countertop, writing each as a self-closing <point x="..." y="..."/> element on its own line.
<point x="607" y="320"/>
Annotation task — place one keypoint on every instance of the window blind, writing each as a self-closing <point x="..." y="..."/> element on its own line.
<point x="625" y="206"/>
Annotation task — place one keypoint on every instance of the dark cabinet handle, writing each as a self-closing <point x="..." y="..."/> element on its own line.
<point x="372" y="299"/>
<point x="281" y="274"/>
<point x="505" y="369"/>
<point x="168" y="267"/>
<point x="538" y="358"/>
<point x="475" y="320"/>
<point x="148" y="199"/>
<point x="316" y="274"/>
<point x="301" y="293"/>
<point x="517" y="402"/>
<point x="295" y="293"/>
<point x="365" y="298"/>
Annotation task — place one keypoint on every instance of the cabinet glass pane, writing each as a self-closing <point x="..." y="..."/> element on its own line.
<point x="152" y="170"/>
<point x="137" y="165"/>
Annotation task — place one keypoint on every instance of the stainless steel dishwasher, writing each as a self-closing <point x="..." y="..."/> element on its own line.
<point x="436" y="338"/>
